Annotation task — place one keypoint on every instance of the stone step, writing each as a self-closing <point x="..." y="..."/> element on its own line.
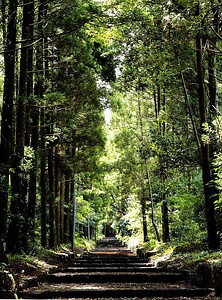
<point x="92" y="291"/>
<point x="105" y="252"/>
<point x="103" y="277"/>
<point x="110" y="241"/>
<point x="110" y="263"/>
<point x="131" y="269"/>
<point x="110" y="259"/>
<point x="113" y="272"/>
<point x="110" y="266"/>
<point x="111" y="251"/>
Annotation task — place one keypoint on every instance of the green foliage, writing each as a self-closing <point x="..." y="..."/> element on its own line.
<point x="185" y="220"/>
<point x="150" y="148"/>
<point x="106" y="61"/>
<point x="152" y="244"/>
<point x="3" y="177"/>
<point x="27" y="163"/>
<point x="84" y="244"/>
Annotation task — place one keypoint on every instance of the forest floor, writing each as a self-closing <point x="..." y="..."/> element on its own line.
<point x="29" y="270"/>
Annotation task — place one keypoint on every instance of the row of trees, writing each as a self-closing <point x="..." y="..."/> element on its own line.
<point x="58" y="77"/>
<point x="52" y="124"/>
<point x="167" y="129"/>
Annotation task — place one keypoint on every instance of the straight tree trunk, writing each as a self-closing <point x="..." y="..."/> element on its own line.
<point x="38" y="92"/>
<point x="51" y="178"/>
<point x="151" y="200"/>
<point x="162" y="129"/>
<point x="158" y="99"/>
<point x="155" y="103"/>
<point x="31" y="131"/>
<point x="69" y="232"/>
<point x="6" y="123"/>
<point x="165" y="220"/>
<point x="62" y="201"/>
<point x="30" y="39"/>
<point x="212" y="77"/>
<point x="43" y="181"/>
<point x="3" y="20"/>
<point x="143" y="202"/>
<point x="18" y="208"/>
<point x="52" y="221"/>
<point x="66" y="209"/>
<point x="191" y="114"/>
<point x="213" y="108"/>
<point x="209" y="186"/>
<point x="57" y="196"/>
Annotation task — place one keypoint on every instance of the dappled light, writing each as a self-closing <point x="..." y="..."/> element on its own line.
<point x="110" y="139"/>
<point x="102" y="274"/>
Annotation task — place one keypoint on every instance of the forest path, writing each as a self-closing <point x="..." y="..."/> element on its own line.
<point x="111" y="271"/>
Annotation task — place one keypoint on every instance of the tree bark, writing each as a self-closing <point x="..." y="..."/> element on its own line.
<point x="36" y="115"/>
<point x="7" y="123"/>
<point x="191" y="114"/>
<point x="43" y="180"/>
<point x="165" y="220"/>
<point x="62" y="201"/>
<point x="3" y="20"/>
<point x="143" y="208"/>
<point x="31" y="131"/>
<point x="52" y="221"/>
<point x="66" y="209"/>
<point x="51" y="176"/>
<point x="209" y="186"/>
<point x="18" y="208"/>
<point x="57" y="196"/>
<point x="162" y="130"/>
<point x="155" y="103"/>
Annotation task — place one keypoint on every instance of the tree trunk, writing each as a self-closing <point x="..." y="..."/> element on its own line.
<point x="66" y="209"/>
<point x="165" y="220"/>
<point x="6" y="123"/>
<point x="143" y="207"/>
<point x="62" y="201"/>
<point x="151" y="201"/>
<point x="43" y="180"/>
<point x="212" y="46"/>
<point x="69" y="231"/>
<point x="57" y="196"/>
<point x="209" y="186"/>
<point x="52" y="221"/>
<point x="162" y="130"/>
<point x="191" y="114"/>
<point x="51" y="181"/>
<point x="18" y="208"/>
<point x="155" y="103"/>
<point x="3" y="20"/>
<point x="31" y="131"/>
<point x="213" y="98"/>
<point x="38" y="92"/>
<point x="30" y="71"/>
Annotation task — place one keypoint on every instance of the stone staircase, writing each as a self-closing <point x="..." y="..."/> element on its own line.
<point x="112" y="271"/>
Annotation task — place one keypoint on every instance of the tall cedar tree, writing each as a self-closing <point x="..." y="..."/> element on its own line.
<point x="32" y="127"/>
<point x="17" y="235"/>
<point x="6" y="124"/>
<point x="210" y="189"/>
<point x="42" y="74"/>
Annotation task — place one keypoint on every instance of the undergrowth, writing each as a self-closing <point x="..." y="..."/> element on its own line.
<point x="184" y="253"/>
<point x="38" y="253"/>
